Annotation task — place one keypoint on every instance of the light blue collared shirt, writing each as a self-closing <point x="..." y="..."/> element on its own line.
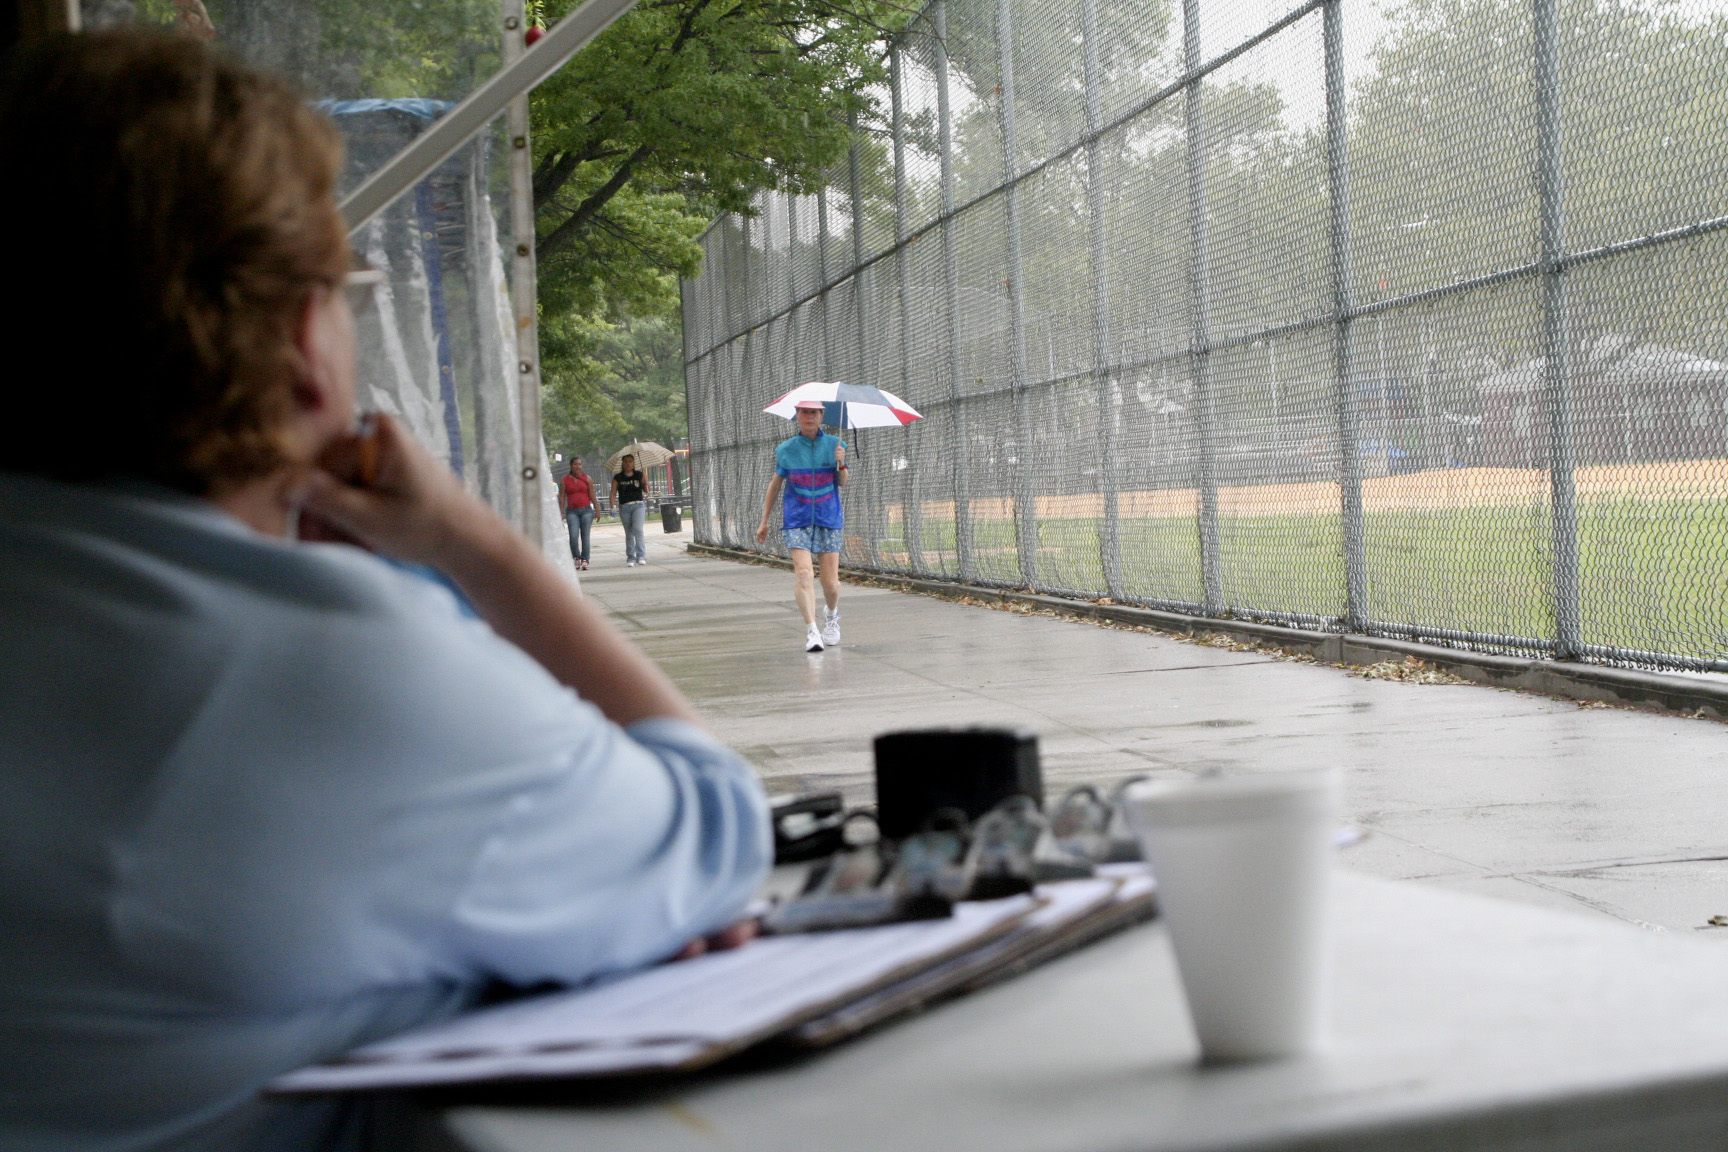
<point x="261" y="802"/>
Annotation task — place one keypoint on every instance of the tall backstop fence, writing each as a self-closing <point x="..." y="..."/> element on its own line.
<point x="1409" y="324"/>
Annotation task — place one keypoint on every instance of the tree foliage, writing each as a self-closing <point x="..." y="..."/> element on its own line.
<point x="682" y="110"/>
<point x="621" y="379"/>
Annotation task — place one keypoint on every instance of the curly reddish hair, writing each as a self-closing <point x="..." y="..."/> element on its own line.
<point x="172" y="213"/>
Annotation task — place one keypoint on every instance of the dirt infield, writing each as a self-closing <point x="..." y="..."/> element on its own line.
<point x="1439" y="489"/>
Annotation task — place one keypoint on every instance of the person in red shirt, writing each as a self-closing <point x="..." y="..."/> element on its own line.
<point x="576" y="501"/>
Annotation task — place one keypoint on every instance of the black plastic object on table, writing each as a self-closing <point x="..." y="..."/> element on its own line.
<point x="923" y="771"/>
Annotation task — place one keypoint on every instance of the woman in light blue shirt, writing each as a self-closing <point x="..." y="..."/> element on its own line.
<point x="266" y="799"/>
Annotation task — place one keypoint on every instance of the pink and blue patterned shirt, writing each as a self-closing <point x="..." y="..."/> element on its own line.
<point x="811" y="496"/>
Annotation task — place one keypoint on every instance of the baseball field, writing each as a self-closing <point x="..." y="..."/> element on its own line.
<point x="1466" y="550"/>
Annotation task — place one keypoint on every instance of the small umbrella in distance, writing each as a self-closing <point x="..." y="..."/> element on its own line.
<point x="648" y="455"/>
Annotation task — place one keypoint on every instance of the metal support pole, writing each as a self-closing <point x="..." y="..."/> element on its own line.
<point x="1568" y="596"/>
<point x="1097" y="179"/>
<point x="912" y="505"/>
<point x="862" y="371"/>
<point x="959" y="457"/>
<point x="1205" y="417"/>
<point x="791" y="250"/>
<point x="523" y="290"/>
<point x="726" y="381"/>
<point x="1343" y="349"/>
<point x="795" y="316"/>
<point x="698" y="422"/>
<point x="740" y="513"/>
<point x="828" y="372"/>
<point x="738" y="303"/>
<point x="1025" y="499"/>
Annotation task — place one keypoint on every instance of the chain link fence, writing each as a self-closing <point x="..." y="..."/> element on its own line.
<point x="1410" y="324"/>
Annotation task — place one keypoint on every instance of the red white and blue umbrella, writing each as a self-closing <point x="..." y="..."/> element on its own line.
<point x="848" y="405"/>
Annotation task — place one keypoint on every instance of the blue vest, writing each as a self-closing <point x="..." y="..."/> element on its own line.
<point x="811" y="496"/>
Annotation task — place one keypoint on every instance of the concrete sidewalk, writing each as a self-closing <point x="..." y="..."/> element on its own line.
<point x="1603" y="810"/>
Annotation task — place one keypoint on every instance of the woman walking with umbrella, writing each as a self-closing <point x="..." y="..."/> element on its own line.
<point x="629" y="497"/>
<point x="810" y="468"/>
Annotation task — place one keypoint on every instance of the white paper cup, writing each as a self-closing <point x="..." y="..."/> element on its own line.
<point x="1243" y="865"/>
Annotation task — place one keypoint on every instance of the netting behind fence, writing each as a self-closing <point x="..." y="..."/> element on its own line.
<point x="1411" y="325"/>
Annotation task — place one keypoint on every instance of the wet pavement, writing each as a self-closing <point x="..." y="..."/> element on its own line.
<point x="1601" y="810"/>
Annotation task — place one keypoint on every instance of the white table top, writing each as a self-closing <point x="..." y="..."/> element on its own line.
<point x="1458" y="1023"/>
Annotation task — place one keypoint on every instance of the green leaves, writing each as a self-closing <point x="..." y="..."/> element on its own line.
<point x="682" y="110"/>
<point x="616" y="381"/>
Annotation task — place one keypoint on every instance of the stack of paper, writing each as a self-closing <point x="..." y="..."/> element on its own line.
<point x="812" y="988"/>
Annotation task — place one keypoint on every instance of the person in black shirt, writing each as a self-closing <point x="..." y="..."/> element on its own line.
<point x="629" y="496"/>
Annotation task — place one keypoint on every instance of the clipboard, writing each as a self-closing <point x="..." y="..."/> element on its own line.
<point x="805" y="990"/>
<point x="673" y="1017"/>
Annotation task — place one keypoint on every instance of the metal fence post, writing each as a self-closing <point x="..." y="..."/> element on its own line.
<point x="744" y="515"/>
<point x="855" y="189"/>
<point x="791" y="250"/>
<point x="1097" y="178"/>
<point x="728" y="495"/>
<point x="1025" y="506"/>
<point x="1343" y="304"/>
<point x="1568" y="609"/>
<point x="864" y="373"/>
<point x="1205" y="417"/>
<point x="695" y="423"/>
<point x="795" y="316"/>
<point x="958" y="456"/>
<point x="825" y="299"/>
<point x="912" y="505"/>
<point x="743" y="536"/>
<point x="522" y="289"/>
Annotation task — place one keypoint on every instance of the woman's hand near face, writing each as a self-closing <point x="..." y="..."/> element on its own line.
<point x="384" y="490"/>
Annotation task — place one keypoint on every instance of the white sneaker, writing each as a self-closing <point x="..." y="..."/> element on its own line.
<point x="831" y="630"/>
<point x="642" y="560"/>
<point x="629" y="563"/>
<point x="812" y="639"/>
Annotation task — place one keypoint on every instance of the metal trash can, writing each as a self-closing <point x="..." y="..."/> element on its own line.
<point x="670" y="518"/>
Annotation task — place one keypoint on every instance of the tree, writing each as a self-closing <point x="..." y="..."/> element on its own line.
<point x="681" y="111"/>
<point x="621" y="380"/>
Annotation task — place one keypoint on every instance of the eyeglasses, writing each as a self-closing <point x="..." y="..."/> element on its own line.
<point x="359" y="284"/>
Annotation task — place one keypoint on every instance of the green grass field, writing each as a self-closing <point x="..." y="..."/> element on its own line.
<point x="1654" y="573"/>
